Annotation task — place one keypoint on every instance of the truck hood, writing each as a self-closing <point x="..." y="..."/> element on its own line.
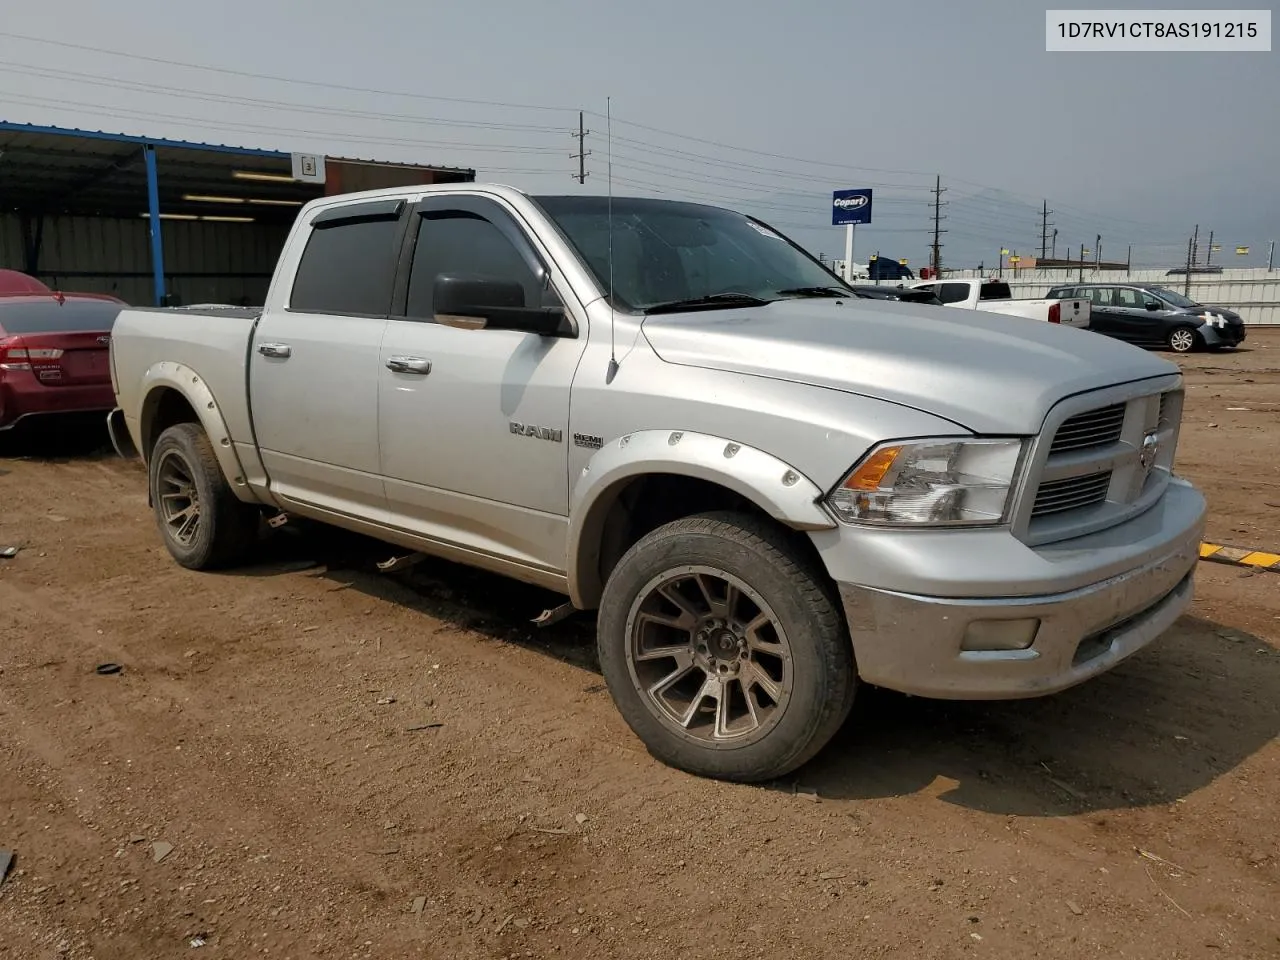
<point x="986" y="372"/>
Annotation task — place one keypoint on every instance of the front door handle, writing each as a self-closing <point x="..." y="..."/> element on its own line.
<point x="419" y="365"/>
<point x="281" y="351"/>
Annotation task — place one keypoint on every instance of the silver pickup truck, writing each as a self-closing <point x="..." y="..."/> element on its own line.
<point x="770" y="490"/>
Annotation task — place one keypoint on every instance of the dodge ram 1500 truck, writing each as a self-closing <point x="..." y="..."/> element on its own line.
<point x="769" y="490"/>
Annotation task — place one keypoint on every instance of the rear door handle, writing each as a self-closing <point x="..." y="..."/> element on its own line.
<point x="419" y="365"/>
<point x="281" y="351"/>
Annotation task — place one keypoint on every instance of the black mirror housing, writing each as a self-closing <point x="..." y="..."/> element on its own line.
<point x="499" y="303"/>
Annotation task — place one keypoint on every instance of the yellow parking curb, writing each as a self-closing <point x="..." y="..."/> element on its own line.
<point x="1240" y="557"/>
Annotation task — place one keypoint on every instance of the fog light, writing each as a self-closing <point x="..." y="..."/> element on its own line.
<point x="1000" y="634"/>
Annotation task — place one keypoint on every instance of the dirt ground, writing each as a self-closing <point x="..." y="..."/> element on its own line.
<point x="346" y="764"/>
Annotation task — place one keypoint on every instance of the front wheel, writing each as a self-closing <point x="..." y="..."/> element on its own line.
<point x="203" y="524"/>
<point x="1182" y="340"/>
<point x="724" y="649"/>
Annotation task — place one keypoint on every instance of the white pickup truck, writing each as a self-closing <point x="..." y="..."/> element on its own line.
<point x="995" y="296"/>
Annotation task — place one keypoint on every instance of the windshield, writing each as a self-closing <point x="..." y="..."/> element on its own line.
<point x="1175" y="299"/>
<point x="667" y="252"/>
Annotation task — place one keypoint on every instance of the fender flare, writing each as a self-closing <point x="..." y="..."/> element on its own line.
<point x="775" y="486"/>
<point x="171" y="375"/>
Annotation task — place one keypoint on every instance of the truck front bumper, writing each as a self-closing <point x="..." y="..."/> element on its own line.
<point x="941" y="646"/>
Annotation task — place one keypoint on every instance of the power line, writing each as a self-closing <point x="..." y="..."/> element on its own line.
<point x="23" y="69"/>
<point x="230" y="72"/>
<point x="241" y="126"/>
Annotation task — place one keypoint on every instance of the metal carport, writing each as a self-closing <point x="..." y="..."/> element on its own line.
<point x="158" y="220"/>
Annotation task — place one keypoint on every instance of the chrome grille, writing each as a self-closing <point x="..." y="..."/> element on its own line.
<point x="1072" y="493"/>
<point x="1093" y="428"/>
<point x="1164" y="409"/>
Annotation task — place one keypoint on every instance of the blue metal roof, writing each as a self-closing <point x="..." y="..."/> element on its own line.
<point x="129" y="138"/>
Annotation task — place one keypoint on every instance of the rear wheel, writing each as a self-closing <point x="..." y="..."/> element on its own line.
<point x="203" y="524"/>
<point x="1182" y="340"/>
<point x="724" y="649"/>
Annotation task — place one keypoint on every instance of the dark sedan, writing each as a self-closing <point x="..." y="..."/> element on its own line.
<point x="1153" y="316"/>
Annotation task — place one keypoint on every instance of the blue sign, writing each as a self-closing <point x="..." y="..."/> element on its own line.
<point x="850" y="206"/>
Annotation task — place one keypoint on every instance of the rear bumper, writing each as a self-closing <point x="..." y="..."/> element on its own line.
<point x="20" y="400"/>
<point x="916" y="643"/>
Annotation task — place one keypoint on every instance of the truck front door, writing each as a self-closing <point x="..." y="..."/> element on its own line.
<point x="473" y="424"/>
<point x="314" y="362"/>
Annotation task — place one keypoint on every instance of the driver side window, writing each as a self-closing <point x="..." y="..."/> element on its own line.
<point x="462" y="244"/>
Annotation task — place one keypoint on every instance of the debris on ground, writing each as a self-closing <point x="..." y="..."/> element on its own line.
<point x="1075" y="908"/>
<point x="160" y="849"/>
<point x="108" y="669"/>
<point x="8" y="553"/>
<point x="581" y="818"/>
<point x="419" y="904"/>
<point x="423" y="726"/>
<point x="6" y="863"/>
<point x="385" y="701"/>
<point x="832" y="875"/>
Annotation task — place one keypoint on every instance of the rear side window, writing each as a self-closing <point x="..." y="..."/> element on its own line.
<point x="23" y="316"/>
<point x="348" y="268"/>
<point x="1129" y="298"/>
<point x="995" y="291"/>
<point x="953" y="292"/>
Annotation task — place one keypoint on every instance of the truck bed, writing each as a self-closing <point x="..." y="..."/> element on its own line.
<point x="153" y="344"/>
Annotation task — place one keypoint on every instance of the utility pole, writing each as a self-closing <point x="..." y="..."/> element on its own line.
<point x="1186" y="284"/>
<point x="938" y="191"/>
<point x="1044" y="229"/>
<point x="1097" y="252"/>
<point x="1128" y="260"/>
<point x="1054" y="255"/>
<point x="1208" y="254"/>
<point x="1271" y="253"/>
<point x="1080" y="278"/>
<point x="583" y="153"/>
<point x="1195" y="247"/>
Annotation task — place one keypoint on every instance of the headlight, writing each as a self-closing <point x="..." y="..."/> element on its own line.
<point x="931" y="482"/>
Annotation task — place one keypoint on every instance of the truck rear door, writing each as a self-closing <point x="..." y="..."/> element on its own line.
<point x="314" y="367"/>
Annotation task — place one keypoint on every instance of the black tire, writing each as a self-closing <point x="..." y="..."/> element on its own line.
<point x="1179" y="342"/>
<point x="802" y="600"/>
<point x="226" y="529"/>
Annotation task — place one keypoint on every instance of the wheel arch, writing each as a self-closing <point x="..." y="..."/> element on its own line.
<point x="645" y="479"/>
<point x="174" y="393"/>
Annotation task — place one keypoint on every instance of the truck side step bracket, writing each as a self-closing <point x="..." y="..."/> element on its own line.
<point x="555" y="615"/>
<point x="400" y="563"/>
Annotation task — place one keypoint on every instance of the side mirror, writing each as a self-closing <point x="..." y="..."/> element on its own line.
<point x="1152" y="305"/>
<point x="496" y="305"/>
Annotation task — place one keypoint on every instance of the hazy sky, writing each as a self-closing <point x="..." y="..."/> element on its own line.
<point x="765" y="108"/>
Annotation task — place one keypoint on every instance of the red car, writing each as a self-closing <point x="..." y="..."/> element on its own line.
<point x="54" y="352"/>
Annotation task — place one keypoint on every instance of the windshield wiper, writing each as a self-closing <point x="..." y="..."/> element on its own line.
<point x="709" y="302"/>
<point x="817" y="292"/>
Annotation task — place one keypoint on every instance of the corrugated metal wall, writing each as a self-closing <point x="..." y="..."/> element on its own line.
<point x="1253" y="293"/>
<point x="204" y="262"/>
